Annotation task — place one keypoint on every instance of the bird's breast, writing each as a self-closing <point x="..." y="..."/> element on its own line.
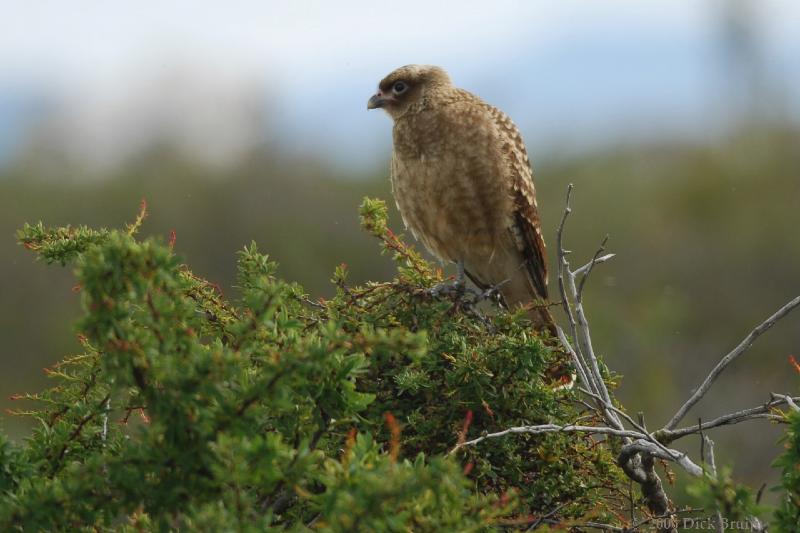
<point x="448" y="195"/>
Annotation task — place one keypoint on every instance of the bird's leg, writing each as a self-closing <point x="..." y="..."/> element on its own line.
<point x="461" y="276"/>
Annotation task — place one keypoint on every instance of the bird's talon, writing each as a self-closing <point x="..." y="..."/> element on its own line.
<point x="447" y="288"/>
<point x="490" y="293"/>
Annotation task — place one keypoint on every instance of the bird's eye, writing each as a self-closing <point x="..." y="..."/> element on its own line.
<point x="399" y="87"/>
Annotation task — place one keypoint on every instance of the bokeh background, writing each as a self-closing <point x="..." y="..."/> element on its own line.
<point x="677" y="120"/>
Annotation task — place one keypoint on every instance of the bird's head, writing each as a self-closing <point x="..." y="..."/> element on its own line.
<point x="406" y="86"/>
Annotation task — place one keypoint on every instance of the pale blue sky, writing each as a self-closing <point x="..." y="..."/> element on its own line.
<point x="572" y="73"/>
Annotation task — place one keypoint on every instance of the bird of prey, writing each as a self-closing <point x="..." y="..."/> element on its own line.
<point x="464" y="186"/>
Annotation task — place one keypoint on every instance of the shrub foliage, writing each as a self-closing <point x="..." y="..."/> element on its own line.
<point x="187" y="410"/>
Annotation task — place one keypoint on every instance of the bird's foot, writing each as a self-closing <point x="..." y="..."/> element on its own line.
<point x="459" y="290"/>
<point x="492" y="293"/>
<point x="456" y="287"/>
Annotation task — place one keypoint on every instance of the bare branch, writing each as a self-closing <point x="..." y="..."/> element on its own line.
<point x="639" y="466"/>
<point x="551" y="428"/>
<point x="620" y="412"/>
<point x="595" y="525"/>
<point x="708" y="457"/>
<point x="584" y="357"/>
<point x="640" y="446"/>
<point x="596" y="261"/>
<point x="789" y="401"/>
<point x="651" y="449"/>
<point x="640" y="469"/>
<point x="579" y="364"/>
<point x="762" y="411"/>
<point x="590" y="266"/>
<point x="563" y="271"/>
<point x="585" y="342"/>
<point x="728" y="359"/>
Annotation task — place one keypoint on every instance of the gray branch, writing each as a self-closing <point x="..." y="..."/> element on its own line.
<point x="595" y="261"/>
<point x="728" y="359"/>
<point x="789" y="401"/>
<point x="551" y="428"/>
<point x="759" y="412"/>
<point x="708" y="451"/>
<point x="640" y="469"/>
<point x="651" y="449"/>
<point x="640" y="447"/>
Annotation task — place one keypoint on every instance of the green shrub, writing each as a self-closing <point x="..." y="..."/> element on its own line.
<point x="787" y="516"/>
<point x="191" y="411"/>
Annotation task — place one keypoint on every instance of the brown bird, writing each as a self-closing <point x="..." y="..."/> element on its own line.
<point x="464" y="186"/>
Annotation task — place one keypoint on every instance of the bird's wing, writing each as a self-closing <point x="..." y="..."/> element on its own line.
<point x="525" y="226"/>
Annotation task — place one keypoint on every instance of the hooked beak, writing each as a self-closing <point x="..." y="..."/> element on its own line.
<point x="377" y="100"/>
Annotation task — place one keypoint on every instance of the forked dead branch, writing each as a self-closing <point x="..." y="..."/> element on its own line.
<point x="640" y="446"/>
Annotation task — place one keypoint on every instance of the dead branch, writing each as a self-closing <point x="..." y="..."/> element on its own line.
<point x="550" y="428"/>
<point x="640" y="447"/>
<point x="595" y="261"/>
<point x="789" y="401"/>
<point x="759" y="412"/>
<point x="729" y="358"/>
<point x="707" y="451"/>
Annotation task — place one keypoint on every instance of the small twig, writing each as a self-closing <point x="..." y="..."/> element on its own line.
<point x="595" y="261"/>
<point x="79" y="428"/>
<point x="308" y="301"/>
<point x="585" y="343"/>
<point x="105" y="419"/>
<point x="579" y="365"/>
<point x="702" y="442"/>
<point x="590" y="266"/>
<point x="760" y="493"/>
<point x="563" y="271"/>
<point x="729" y="358"/>
<point x="595" y="525"/>
<point x="707" y="446"/>
<point x="545" y="517"/>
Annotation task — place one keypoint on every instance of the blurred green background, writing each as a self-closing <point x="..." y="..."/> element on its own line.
<point x="677" y="124"/>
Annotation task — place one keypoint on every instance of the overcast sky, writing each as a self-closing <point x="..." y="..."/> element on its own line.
<point x="569" y="72"/>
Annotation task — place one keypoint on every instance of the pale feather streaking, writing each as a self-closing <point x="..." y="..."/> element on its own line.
<point x="464" y="185"/>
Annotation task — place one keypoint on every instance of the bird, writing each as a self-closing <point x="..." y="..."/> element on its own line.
<point x="463" y="184"/>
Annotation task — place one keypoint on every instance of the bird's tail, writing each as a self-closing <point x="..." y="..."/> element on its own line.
<point x="518" y="291"/>
<point x="542" y="320"/>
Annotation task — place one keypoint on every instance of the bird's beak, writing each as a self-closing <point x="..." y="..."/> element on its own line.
<point x="377" y="100"/>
